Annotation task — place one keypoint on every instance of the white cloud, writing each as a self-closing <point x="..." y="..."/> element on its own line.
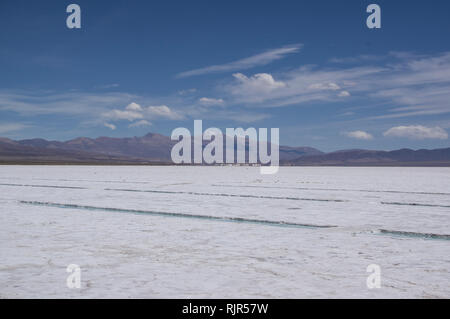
<point x="303" y="85"/>
<point x="139" y="115"/>
<point x="110" y="126"/>
<point x="123" y="115"/>
<point x="112" y="108"/>
<point x="246" y="63"/>
<point x="260" y="81"/>
<point x="359" y="135"/>
<point x="211" y="101"/>
<point x="133" y="107"/>
<point x="407" y="85"/>
<point x="417" y="132"/>
<point x="163" y="111"/>
<point x="254" y="88"/>
<point x="325" y="86"/>
<point x="344" y="94"/>
<point x="12" y="127"/>
<point x="140" y="123"/>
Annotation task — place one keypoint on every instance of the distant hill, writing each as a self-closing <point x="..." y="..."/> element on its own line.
<point x="12" y="152"/>
<point x="403" y="157"/>
<point x="151" y="147"/>
<point x="155" y="149"/>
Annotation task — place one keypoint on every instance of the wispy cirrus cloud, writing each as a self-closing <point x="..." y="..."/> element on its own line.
<point x="356" y="59"/>
<point x="412" y="85"/>
<point x="12" y="127"/>
<point x="76" y="103"/>
<point x="107" y="86"/>
<point x="111" y="109"/>
<point x="404" y="86"/>
<point x="246" y="63"/>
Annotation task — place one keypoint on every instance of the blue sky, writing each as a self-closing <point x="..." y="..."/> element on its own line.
<point x="311" y="68"/>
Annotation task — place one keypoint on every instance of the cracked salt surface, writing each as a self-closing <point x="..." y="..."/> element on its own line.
<point x="154" y="256"/>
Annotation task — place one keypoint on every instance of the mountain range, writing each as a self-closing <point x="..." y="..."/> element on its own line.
<point x="155" y="149"/>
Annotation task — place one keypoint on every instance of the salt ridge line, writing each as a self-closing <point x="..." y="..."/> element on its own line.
<point x="45" y="186"/>
<point x="97" y="181"/>
<point x="247" y="186"/>
<point x="186" y="193"/>
<point x="395" y="233"/>
<point x="414" y="234"/>
<point x="414" y="204"/>
<point x="217" y="185"/>
<point x="224" y="195"/>
<point x="329" y="189"/>
<point x="180" y="215"/>
<point x="74" y="180"/>
<point x="91" y="181"/>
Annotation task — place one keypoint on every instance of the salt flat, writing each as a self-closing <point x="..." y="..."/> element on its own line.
<point x="222" y="232"/>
